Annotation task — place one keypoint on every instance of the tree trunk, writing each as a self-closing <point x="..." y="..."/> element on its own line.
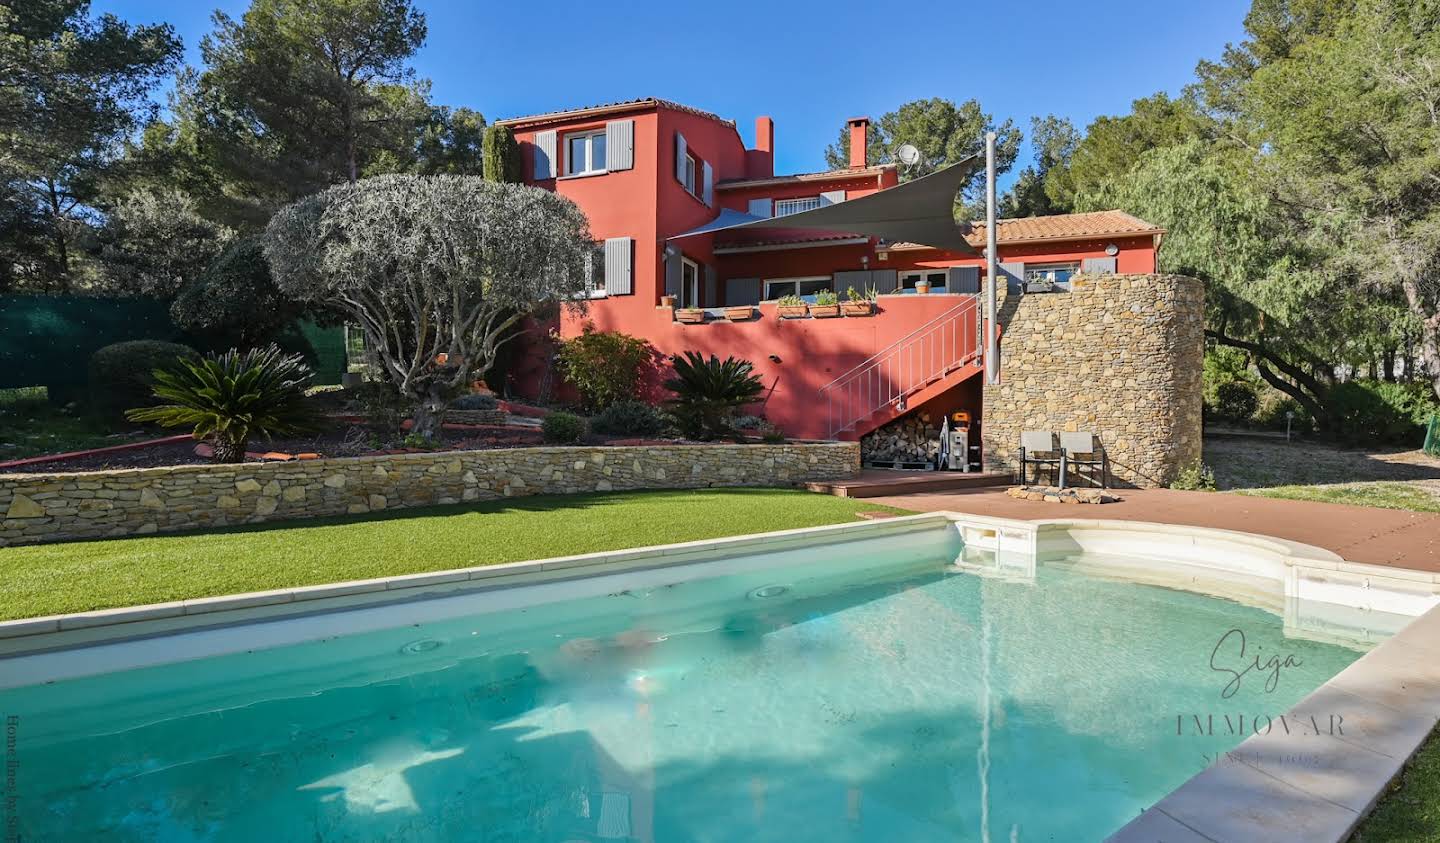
<point x="57" y="233"/>
<point x="1424" y="307"/>
<point x="429" y="415"/>
<point x="1388" y="364"/>
<point x="227" y="451"/>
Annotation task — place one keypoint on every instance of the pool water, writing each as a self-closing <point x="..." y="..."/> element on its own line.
<point x="865" y="691"/>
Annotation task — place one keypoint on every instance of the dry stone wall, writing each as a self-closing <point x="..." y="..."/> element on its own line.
<point x="51" y="507"/>
<point x="1119" y="355"/>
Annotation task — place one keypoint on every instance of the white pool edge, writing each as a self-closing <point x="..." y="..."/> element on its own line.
<point x="1390" y="696"/>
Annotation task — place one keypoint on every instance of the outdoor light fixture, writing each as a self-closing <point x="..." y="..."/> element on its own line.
<point x="1112" y="250"/>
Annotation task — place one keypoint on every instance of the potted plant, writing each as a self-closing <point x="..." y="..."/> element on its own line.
<point x="826" y="305"/>
<point x="922" y="285"/>
<point x="858" y="303"/>
<point x="690" y="315"/>
<point x="667" y="301"/>
<point x="791" y="307"/>
<point x="739" y="313"/>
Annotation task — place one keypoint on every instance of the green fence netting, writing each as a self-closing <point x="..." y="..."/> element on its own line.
<point x="47" y="340"/>
<point x="1432" y="436"/>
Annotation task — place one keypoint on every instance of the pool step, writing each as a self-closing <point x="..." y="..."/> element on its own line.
<point x="878" y="482"/>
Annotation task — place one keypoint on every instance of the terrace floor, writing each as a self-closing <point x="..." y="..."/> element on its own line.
<point x="1358" y="534"/>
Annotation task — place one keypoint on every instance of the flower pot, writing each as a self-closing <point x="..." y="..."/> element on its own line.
<point x="858" y="308"/>
<point x="824" y="311"/>
<point x="690" y="316"/>
<point x="791" y="311"/>
<point x="739" y="314"/>
<point x="922" y="289"/>
<point x="667" y="301"/>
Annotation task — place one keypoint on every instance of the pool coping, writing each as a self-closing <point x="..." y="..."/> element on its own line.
<point x="27" y="636"/>
<point x="1388" y="698"/>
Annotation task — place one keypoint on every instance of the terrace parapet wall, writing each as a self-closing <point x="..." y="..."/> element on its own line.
<point x="55" y="507"/>
<point x="1119" y="355"/>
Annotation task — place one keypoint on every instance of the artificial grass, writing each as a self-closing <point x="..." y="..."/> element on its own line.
<point x="81" y="576"/>
<point x="1410" y="813"/>
<point x="1382" y="495"/>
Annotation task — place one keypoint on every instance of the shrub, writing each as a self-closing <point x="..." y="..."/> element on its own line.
<point x="121" y="375"/>
<point x="562" y="428"/>
<point x="1236" y="401"/>
<point x="475" y="401"/>
<point x="710" y="392"/>
<point x="501" y="155"/>
<point x="604" y="366"/>
<point x="635" y="418"/>
<point x="825" y="298"/>
<point x="1380" y="411"/>
<point x="1271" y="415"/>
<point x="1195" y="478"/>
<point x="235" y="302"/>
<point x="381" y="404"/>
<point x="232" y="397"/>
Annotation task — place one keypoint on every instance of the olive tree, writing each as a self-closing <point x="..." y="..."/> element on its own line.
<point x="436" y="270"/>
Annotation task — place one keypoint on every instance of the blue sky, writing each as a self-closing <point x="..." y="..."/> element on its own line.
<point x="810" y="65"/>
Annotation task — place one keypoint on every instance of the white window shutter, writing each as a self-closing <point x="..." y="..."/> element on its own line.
<point x="681" y="152"/>
<point x="709" y="193"/>
<point x="620" y="145"/>
<point x="544" y="155"/>
<point x="831" y="197"/>
<point x="761" y="208"/>
<point x="1098" y="266"/>
<point x="618" y="266"/>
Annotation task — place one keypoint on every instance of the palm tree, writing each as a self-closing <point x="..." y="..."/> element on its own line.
<point x="233" y="396"/>
<point x="709" y="392"/>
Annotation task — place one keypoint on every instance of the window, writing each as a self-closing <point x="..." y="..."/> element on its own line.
<point x="1040" y="277"/>
<point x="805" y="288"/>
<point x="585" y="153"/>
<point x="937" y="279"/>
<point x="689" y="283"/>
<point x="785" y="207"/>
<point x="691" y="182"/>
<point x="595" y="270"/>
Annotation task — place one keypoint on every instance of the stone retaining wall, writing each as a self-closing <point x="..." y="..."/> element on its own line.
<point x="51" y="507"/>
<point x="1119" y="355"/>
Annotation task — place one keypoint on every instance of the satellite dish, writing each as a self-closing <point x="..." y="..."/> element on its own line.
<point x="908" y="155"/>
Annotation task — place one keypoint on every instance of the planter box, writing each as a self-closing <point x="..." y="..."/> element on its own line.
<point x="792" y="311"/>
<point x="858" y="308"/>
<point x="824" y="311"/>
<point x="690" y="316"/>
<point x="739" y="314"/>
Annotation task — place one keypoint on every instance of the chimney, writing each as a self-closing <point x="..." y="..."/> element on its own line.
<point x="760" y="161"/>
<point x="859" y="126"/>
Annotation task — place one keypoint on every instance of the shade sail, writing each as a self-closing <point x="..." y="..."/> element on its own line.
<point x="920" y="211"/>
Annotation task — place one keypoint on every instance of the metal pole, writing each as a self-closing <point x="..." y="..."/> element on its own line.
<point x="992" y="344"/>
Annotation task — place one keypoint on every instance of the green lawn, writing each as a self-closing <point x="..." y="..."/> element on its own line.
<point x="1384" y="495"/>
<point x="80" y="576"/>
<point x="1411" y="812"/>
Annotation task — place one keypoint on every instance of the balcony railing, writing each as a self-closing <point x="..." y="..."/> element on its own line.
<point x="786" y="207"/>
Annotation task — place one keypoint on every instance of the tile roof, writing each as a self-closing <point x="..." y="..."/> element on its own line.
<point x="609" y="107"/>
<point x="1065" y="227"/>
<point x="1055" y="227"/>
<point x="827" y="175"/>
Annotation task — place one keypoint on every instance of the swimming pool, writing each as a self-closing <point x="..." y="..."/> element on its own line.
<point x="907" y="687"/>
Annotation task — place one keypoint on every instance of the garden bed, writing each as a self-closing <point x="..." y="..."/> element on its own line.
<point x="344" y="441"/>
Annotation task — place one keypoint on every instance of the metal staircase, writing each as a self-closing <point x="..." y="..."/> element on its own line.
<point x="947" y="348"/>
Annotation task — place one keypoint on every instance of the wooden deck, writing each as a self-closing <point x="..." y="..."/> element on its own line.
<point x="878" y="482"/>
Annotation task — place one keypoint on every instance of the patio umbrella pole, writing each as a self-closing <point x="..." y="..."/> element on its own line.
<point x="992" y="347"/>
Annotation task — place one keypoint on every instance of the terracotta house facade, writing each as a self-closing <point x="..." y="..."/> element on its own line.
<point x="649" y="172"/>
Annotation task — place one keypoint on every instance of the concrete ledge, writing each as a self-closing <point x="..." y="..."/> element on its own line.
<point x="33" y="635"/>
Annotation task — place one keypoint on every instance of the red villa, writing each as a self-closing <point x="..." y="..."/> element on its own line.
<point x="684" y="212"/>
